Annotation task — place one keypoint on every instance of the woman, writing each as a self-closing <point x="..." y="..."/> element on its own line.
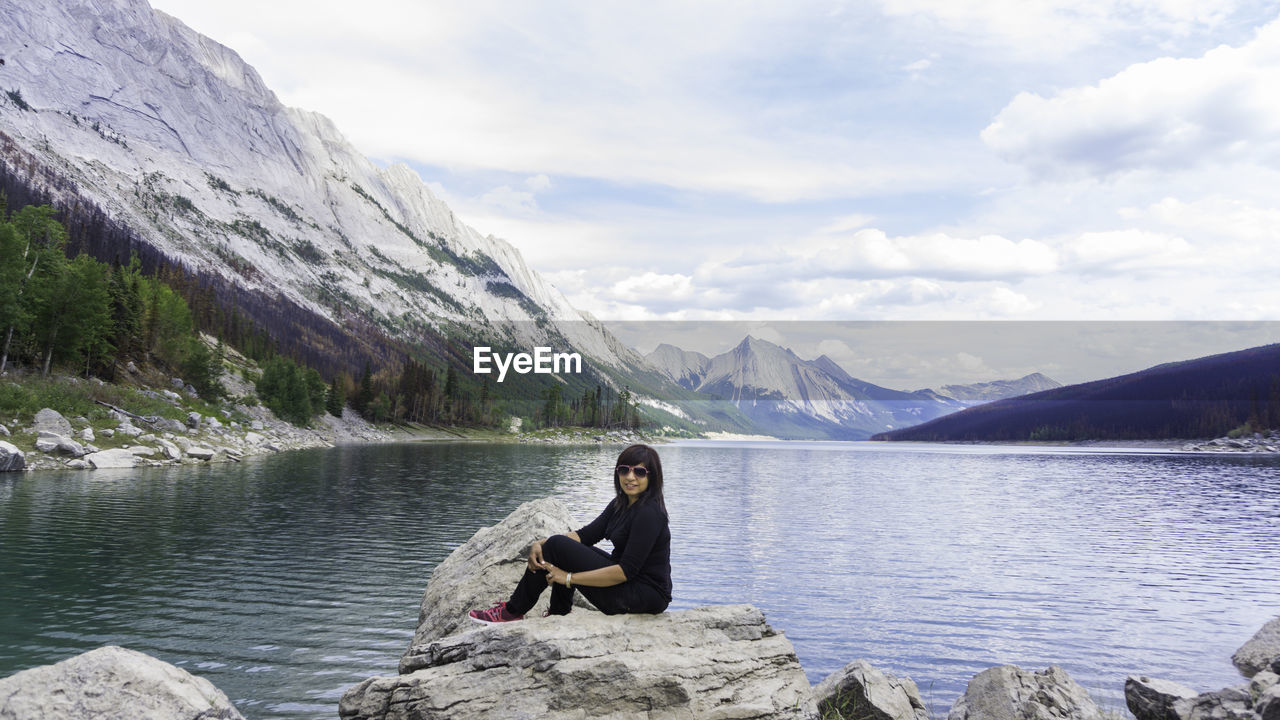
<point x="634" y="578"/>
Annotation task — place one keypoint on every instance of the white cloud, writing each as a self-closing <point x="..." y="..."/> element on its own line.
<point x="1164" y="114"/>
<point x="1060" y="26"/>
<point x="1128" y="251"/>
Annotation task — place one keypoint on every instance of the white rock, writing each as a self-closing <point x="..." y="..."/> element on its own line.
<point x="142" y="451"/>
<point x="862" y="690"/>
<point x="213" y="422"/>
<point x="714" y="662"/>
<point x="117" y="458"/>
<point x="11" y="458"/>
<point x="127" y="428"/>
<point x="254" y="438"/>
<point x="108" y="432"/>
<point x="200" y="453"/>
<point x="1007" y="692"/>
<point x="49" y="420"/>
<point x="87" y="435"/>
<point x="4" y="432"/>
<point x="78" y="464"/>
<point x="112" y="682"/>
<point x="170" y="450"/>
<point x="1260" y="651"/>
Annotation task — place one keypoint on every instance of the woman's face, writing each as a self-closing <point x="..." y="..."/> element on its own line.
<point x="633" y="486"/>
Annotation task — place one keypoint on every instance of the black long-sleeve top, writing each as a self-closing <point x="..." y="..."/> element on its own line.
<point x="641" y="542"/>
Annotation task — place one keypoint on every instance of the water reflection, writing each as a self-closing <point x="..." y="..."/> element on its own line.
<point x="285" y="580"/>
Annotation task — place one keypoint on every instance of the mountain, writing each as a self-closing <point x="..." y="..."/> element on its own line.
<point x="786" y="396"/>
<point x="978" y="393"/>
<point x="1205" y="397"/>
<point x="684" y="367"/>
<point x="154" y="140"/>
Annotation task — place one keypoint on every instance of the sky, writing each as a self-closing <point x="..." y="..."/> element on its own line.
<point x="818" y="160"/>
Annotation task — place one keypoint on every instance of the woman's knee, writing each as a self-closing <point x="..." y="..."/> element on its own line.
<point x="556" y="545"/>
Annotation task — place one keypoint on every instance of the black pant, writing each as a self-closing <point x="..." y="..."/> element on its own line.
<point x="572" y="556"/>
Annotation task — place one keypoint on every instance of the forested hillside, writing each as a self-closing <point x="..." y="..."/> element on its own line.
<point x="1202" y="398"/>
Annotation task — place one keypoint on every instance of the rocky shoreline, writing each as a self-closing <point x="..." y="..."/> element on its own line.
<point x="720" y="661"/>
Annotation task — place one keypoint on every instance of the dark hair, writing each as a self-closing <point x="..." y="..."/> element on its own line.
<point x="640" y="455"/>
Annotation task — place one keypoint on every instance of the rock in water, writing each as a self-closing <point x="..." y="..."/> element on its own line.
<point x="1008" y="692"/>
<point x="487" y="567"/>
<point x="1152" y="699"/>
<point x="714" y="662"/>
<point x="1260" y="651"/>
<point x="49" y="420"/>
<point x="861" y="690"/>
<point x="112" y="683"/>
<point x="11" y="458"/>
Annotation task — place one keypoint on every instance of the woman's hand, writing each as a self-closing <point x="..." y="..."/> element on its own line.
<point x="554" y="574"/>
<point x="536" y="562"/>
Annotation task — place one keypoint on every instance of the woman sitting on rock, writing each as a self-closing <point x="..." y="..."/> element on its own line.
<point x="634" y="578"/>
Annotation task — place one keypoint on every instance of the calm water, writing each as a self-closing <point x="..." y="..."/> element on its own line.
<point x="288" y="579"/>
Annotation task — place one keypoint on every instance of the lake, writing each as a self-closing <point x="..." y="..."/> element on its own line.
<point x="287" y="579"/>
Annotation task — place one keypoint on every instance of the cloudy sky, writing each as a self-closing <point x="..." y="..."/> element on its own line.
<point x="822" y="160"/>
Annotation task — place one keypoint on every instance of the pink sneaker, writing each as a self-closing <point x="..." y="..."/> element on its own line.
<point x="496" y="614"/>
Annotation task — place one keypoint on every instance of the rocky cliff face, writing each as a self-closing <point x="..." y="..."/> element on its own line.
<point x="174" y="136"/>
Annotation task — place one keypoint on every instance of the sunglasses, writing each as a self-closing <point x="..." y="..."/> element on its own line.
<point x="641" y="471"/>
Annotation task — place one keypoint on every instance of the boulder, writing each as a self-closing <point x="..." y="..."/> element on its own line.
<point x="142" y="450"/>
<point x="112" y="682"/>
<point x="1008" y="692"/>
<point x="200" y="453"/>
<point x="860" y="690"/>
<point x="1226" y="704"/>
<point x="171" y="451"/>
<point x="11" y="458"/>
<point x="78" y="464"/>
<point x="170" y="425"/>
<point x="256" y="425"/>
<point x="193" y="420"/>
<point x="128" y="428"/>
<point x="213" y="422"/>
<point x="87" y="435"/>
<point x="117" y="458"/>
<point x="108" y="432"/>
<point x="1268" y="704"/>
<point x="1260" y="651"/>
<point x="4" y="431"/>
<point x="49" y="442"/>
<point x="713" y="662"/>
<point x="1152" y="699"/>
<point x="48" y="420"/>
<point x="1261" y="683"/>
<point x="177" y="382"/>
<point x="486" y="568"/>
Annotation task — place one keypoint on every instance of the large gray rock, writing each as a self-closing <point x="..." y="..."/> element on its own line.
<point x="1153" y="699"/>
<point x="49" y="420"/>
<point x="1008" y="692"/>
<point x="11" y="458"/>
<point x="714" y="662"/>
<point x="1226" y="704"/>
<point x="1260" y="651"/>
<point x="863" y="691"/>
<point x="112" y="683"/>
<point x="486" y="568"/>
<point x="117" y="458"/>
<point x="1261" y="683"/>
<point x="49" y="442"/>
<point x="1268" y="704"/>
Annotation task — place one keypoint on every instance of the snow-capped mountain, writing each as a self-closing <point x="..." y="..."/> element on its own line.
<point x="787" y="396"/>
<point x="175" y="137"/>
